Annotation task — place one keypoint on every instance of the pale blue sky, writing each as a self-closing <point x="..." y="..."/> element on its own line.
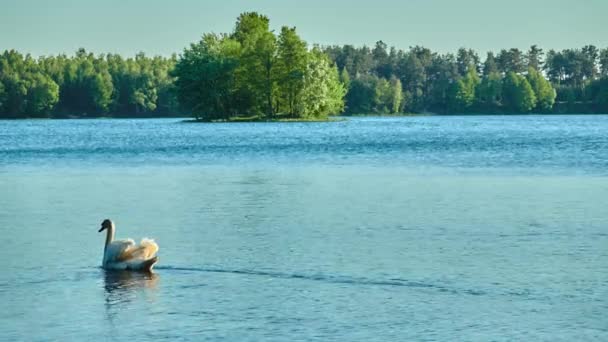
<point x="162" y="27"/>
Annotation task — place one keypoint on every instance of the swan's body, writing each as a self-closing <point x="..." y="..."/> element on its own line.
<point x="126" y="254"/>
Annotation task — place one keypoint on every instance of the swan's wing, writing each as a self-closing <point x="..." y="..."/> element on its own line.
<point x="148" y="247"/>
<point x="117" y="249"/>
<point x="144" y="251"/>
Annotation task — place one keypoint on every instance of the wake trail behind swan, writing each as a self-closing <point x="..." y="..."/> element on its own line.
<point x="334" y="279"/>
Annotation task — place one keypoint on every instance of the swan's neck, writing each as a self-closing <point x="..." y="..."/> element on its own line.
<point x="109" y="235"/>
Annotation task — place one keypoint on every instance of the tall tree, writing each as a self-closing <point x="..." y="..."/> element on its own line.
<point x="442" y="73"/>
<point x="590" y="55"/>
<point x="396" y="96"/>
<point x="383" y="67"/>
<point x="291" y="67"/>
<point x="413" y="76"/>
<point x="603" y="61"/>
<point x="511" y="60"/>
<point x="255" y="74"/>
<point x="555" y="66"/>
<point x="490" y="66"/>
<point x="467" y="59"/>
<point x="534" y="57"/>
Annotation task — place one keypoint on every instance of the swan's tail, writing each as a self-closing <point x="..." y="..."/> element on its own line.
<point x="145" y="255"/>
<point x="148" y="264"/>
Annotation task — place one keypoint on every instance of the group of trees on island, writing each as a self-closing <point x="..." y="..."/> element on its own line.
<point x="253" y="72"/>
<point x="383" y="80"/>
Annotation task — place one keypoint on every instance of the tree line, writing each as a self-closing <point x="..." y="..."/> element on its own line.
<point x="382" y="80"/>
<point x="256" y="73"/>
<point x="85" y="85"/>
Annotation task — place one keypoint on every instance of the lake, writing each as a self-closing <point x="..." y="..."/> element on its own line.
<point x="471" y="228"/>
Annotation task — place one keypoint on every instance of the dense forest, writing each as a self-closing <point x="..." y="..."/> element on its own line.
<point x="85" y="85"/>
<point x="256" y="73"/>
<point x="383" y="80"/>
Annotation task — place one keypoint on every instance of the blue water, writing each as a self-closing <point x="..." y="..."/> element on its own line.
<point x="372" y="229"/>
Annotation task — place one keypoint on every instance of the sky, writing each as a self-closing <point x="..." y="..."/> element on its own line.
<point x="161" y="27"/>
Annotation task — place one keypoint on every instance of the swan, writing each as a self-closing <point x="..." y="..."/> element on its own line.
<point x="125" y="254"/>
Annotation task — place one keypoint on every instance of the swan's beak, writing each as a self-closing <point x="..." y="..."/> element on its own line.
<point x="101" y="229"/>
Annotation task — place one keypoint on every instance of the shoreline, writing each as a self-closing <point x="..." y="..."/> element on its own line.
<point x="262" y="120"/>
<point x="337" y="118"/>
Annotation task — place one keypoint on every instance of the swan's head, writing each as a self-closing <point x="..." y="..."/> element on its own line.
<point x="106" y="224"/>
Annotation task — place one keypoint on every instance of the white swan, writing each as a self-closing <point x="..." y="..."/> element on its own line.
<point x="125" y="254"/>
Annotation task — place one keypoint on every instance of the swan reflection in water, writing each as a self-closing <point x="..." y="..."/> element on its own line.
<point x="125" y="280"/>
<point x="126" y="286"/>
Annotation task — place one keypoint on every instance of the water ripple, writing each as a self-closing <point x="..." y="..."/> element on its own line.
<point x="340" y="279"/>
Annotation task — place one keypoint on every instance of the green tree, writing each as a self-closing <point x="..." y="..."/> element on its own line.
<point x="590" y="55"/>
<point x="413" y="76"/>
<point x="42" y="95"/>
<point x="205" y="77"/>
<point x="543" y="91"/>
<point x="383" y="96"/>
<point x="511" y="60"/>
<point x="361" y="94"/>
<point x="255" y="75"/>
<point x="600" y="95"/>
<point x="466" y="59"/>
<point x="323" y="93"/>
<point x="167" y="102"/>
<point x="143" y="86"/>
<point x="290" y="67"/>
<point x="2" y="97"/>
<point x="25" y="91"/>
<point x="555" y="65"/>
<point x="383" y="66"/>
<point x="518" y="95"/>
<point x="101" y="91"/>
<point x="489" y="93"/>
<point x="13" y="71"/>
<point x="442" y="73"/>
<point x="464" y="91"/>
<point x="534" y="58"/>
<point x="603" y="61"/>
<point x="345" y="78"/>
<point x="87" y="86"/>
<point x="15" y="92"/>
<point x="396" y="96"/>
<point x="490" y="66"/>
